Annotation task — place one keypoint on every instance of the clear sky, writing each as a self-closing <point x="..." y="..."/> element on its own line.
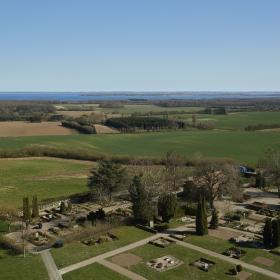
<point x="88" y="45"/>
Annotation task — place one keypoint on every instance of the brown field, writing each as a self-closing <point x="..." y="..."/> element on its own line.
<point x="101" y="129"/>
<point x="19" y="128"/>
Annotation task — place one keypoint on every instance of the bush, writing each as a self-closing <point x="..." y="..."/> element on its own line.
<point x="190" y="209"/>
<point x="161" y="227"/>
<point x="233" y="271"/>
<point x="239" y="268"/>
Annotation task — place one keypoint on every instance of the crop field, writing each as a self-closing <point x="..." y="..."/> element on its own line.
<point x="46" y="178"/>
<point x="20" y="128"/>
<point x="236" y="121"/>
<point x="244" y="147"/>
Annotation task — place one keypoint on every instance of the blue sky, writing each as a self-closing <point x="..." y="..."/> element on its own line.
<point x="84" y="45"/>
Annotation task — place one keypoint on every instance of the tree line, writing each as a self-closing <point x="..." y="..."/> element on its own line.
<point x="144" y="123"/>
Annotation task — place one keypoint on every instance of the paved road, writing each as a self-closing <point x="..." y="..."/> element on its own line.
<point x="109" y="254"/>
<point x="119" y="269"/>
<point x="50" y="265"/>
<point x="228" y="259"/>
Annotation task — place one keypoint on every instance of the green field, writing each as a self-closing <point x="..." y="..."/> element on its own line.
<point x="244" y="147"/>
<point x="16" y="267"/>
<point x="94" y="271"/>
<point x="237" y="121"/>
<point x="46" y="178"/>
<point x="76" y="251"/>
<point x="185" y="271"/>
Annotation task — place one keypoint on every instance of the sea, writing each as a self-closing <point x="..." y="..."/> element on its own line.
<point x="134" y="96"/>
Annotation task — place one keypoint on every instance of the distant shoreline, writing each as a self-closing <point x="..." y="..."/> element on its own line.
<point x="134" y="95"/>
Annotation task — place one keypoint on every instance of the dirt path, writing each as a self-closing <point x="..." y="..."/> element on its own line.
<point x="50" y="265"/>
<point x="119" y="269"/>
<point x="108" y="254"/>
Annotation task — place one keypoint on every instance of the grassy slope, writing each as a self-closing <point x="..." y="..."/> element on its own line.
<point x="94" y="271"/>
<point x="76" y="251"/>
<point x="19" y="178"/>
<point x="17" y="267"/>
<point x="185" y="271"/>
<point x="219" y="246"/>
<point x="241" y="146"/>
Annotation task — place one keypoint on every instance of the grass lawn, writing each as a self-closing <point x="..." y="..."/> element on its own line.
<point x="76" y="251"/>
<point x="219" y="245"/>
<point x="185" y="271"/>
<point x="45" y="178"/>
<point x="244" y="147"/>
<point x="16" y="267"/>
<point x="94" y="271"/>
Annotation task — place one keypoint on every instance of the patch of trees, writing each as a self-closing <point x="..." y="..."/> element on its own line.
<point x="262" y="126"/>
<point x="22" y="111"/>
<point x="143" y="123"/>
<point x="86" y="129"/>
<point x="215" y="111"/>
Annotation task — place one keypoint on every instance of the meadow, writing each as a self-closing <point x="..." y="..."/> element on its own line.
<point x="243" y="147"/>
<point x="46" y="178"/>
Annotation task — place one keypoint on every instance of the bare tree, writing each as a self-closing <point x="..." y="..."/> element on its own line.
<point x="216" y="179"/>
<point x="175" y="171"/>
<point x="271" y="166"/>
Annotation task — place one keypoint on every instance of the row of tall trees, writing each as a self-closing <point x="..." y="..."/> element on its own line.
<point x="30" y="211"/>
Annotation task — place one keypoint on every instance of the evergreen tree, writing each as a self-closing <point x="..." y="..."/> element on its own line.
<point x="275" y="232"/>
<point x="106" y="179"/>
<point x="69" y="206"/>
<point x="260" y="181"/>
<point x="141" y="201"/>
<point x="166" y="206"/>
<point x="214" y="223"/>
<point x="26" y="210"/>
<point x="62" y="207"/>
<point x="267" y="233"/>
<point x="35" y="207"/>
<point x="201" y="218"/>
<point x="204" y="211"/>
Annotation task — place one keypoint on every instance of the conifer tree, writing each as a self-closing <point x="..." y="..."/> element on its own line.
<point x="275" y="232"/>
<point x="35" y="207"/>
<point x="26" y="210"/>
<point x="267" y="233"/>
<point x="204" y="211"/>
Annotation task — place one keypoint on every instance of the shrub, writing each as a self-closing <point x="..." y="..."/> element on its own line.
<point x="239" y="268"/>
<point x="161" y="227"/>
<point x="233" y="271"/>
